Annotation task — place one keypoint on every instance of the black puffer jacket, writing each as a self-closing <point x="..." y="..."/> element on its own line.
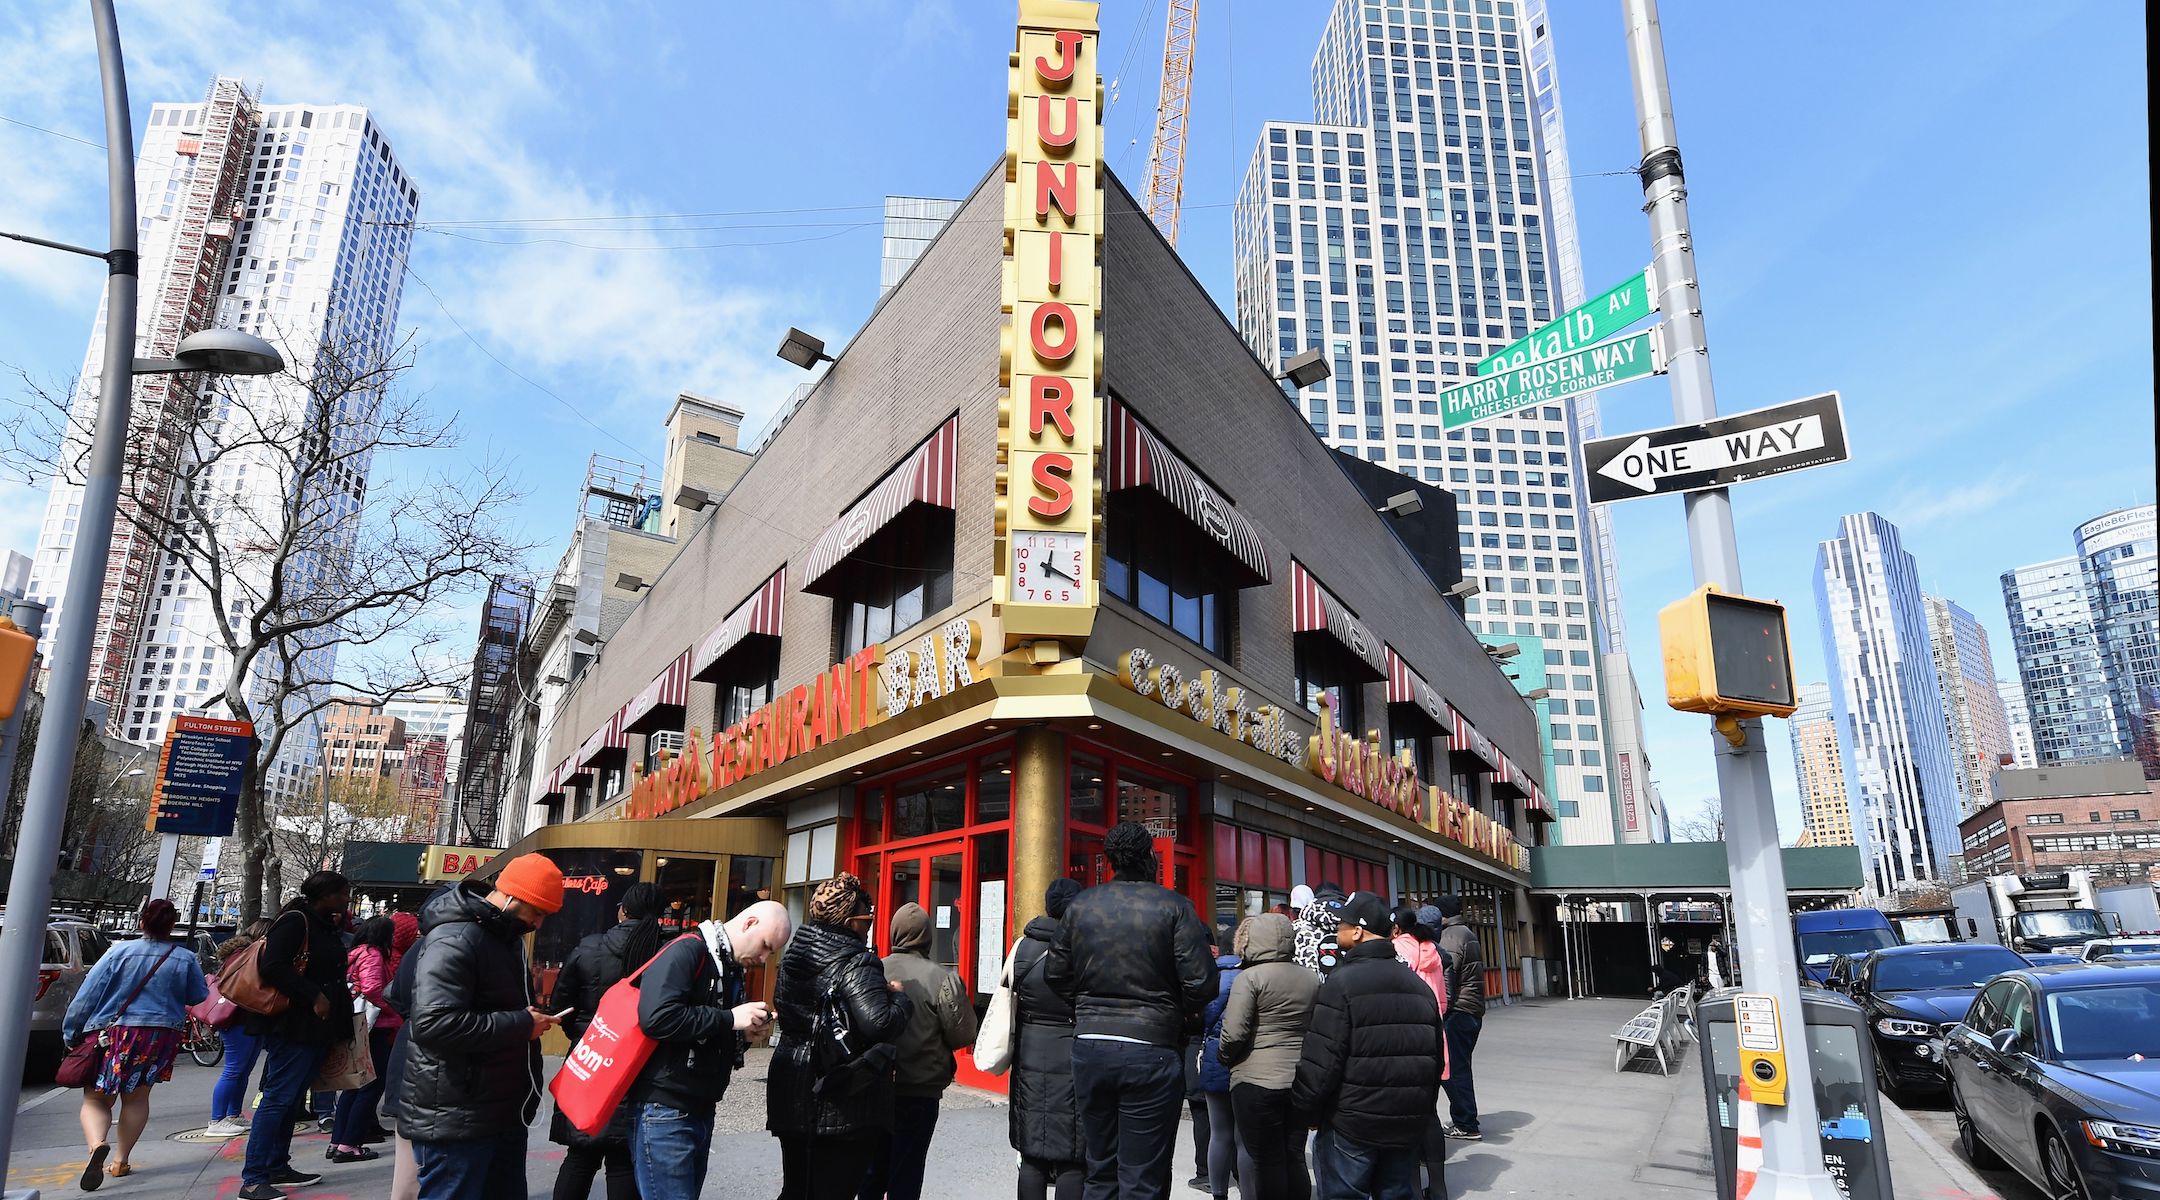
<point x="1045" y="1122"/>
<point x="1371" y="1060"/>
<point x="1132" y="957"/>
<point x="824" y="959"/>
<point x="593" y="967"/>
<point x="471" y="1066"/>
<point x="295" y="925"/>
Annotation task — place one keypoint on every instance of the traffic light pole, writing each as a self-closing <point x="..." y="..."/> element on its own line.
<point x="1792" y="1163"/>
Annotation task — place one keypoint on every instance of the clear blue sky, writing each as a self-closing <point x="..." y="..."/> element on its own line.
<point x="1941" y="211"/>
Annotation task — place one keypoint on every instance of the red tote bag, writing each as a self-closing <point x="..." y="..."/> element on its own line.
<point x="606" y="1061"/>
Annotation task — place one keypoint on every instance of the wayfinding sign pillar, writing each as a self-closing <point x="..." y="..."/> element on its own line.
<point x="1792" y="1167"/>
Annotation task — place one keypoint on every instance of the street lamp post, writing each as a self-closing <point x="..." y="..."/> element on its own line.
<point x="22" y="938"/>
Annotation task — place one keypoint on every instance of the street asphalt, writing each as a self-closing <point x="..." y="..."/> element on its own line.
<point x="1559" y="1124"/>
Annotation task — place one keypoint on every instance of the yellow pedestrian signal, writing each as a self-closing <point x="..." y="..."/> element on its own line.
<point x="17" y="651"/>
<point x="1729" y="656"/>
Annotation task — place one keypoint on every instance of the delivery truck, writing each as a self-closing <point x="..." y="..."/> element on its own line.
<point x="2037" y="911"/>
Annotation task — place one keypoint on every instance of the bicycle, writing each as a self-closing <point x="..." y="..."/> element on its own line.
<point x="202" y="1042"/>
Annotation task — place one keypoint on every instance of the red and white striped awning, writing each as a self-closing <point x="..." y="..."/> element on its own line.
<point x="1536" y="807"/>
<point x="572" y="772"/>
<point x="661" y="704"/>
<point x="925" y="476"/>
<point x="1405" y="686"/>
<point x="759" y="616"/>
<point x="1510" y="782"/>
<point x="1135" y="457"/>
<point x="1469" y="748"/>
<point x="606" y="742"/>
<point x="1313" y="609"/>
<point x="549" y="787"/>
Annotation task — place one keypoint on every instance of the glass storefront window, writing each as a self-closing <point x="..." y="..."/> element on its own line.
<point x="750" y="879"/>
<point x="686" y="888"/>
<point x="1156" y="803"/>
<point x="933" y="805"/>
<point x="1085" y="797"/>
<point x="993" y="790"/>
<point x="601" y="877"/>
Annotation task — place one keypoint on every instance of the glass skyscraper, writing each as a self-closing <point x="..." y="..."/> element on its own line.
<point x="1407" y="231"/>
<point x="1965" y="671"/>
<point x="1900" y="772"/>
<point x="2086" y="629"/>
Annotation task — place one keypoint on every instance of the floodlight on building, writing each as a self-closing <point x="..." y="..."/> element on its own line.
<point x="631" y="583"/>
<point x="1306" y="369"/>
<point x="693" y="498"/>
<point x="1537" y="693"/>
<point x="1468" y="587"/>
<point x="1504" y="650"/>
<point x="1404" y="504"/>
<point x="802" y="349"/>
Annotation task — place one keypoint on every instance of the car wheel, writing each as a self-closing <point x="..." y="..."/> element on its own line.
<point x="1976" y="1149"/>
<point x="2063" y="1181"/>
<point x="1886" y="1084"/>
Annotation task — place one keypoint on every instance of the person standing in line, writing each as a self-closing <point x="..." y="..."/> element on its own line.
<point x="302" y="958"/>
<point x="228" y="1097"/>
<point x="1369" y="1069"/>
<point x="1132" y="957"/>
<point x="405" y="1170"/>
<point x="1263" y="1030"/>
<point x="690" y="1002"/>
<point x="135" y="998"/>
<point x="943" y="1021"/>
<point x="367" y="972"/>
<point x="1316" y="948"/>
<point x="1223" y="1141"/>
<point x="829" y="1087"/>
<point x="1044" y="1122"/>
<point x="469" y="1089"/>
<point x="598" y="963"/>
<point x="1465" y="1014"/>
<point x="1415" y="947"/>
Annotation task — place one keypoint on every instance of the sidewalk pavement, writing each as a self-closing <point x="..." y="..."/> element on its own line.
<point x="1559" y="1124"/>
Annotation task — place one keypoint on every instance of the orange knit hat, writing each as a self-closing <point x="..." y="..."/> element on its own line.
<point x="533" y="878"/>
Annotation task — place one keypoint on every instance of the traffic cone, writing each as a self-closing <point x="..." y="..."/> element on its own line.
<point x="1747" y="1161"/>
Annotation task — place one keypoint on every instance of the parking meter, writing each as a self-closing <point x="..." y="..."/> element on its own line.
<point x="1854" y="1141"/>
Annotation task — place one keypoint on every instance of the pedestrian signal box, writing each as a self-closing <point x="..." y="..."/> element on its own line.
<point x="18" y="651"/>
<point x="1726" y="655"/>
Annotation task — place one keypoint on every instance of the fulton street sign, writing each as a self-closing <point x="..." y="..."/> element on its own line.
<point x="1688" y="458"/>
<point x="1540" y="382"/>
<point x="1588" y="323"/>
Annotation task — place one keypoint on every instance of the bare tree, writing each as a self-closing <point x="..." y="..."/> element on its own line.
<point x="326" y="522"/>
<point x="1705" y="824"/>
<point x="311" y="828"/>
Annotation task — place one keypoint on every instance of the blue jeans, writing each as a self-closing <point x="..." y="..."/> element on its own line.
<point x="1461" y="1087"/>
<point x="228" y="1098"/>
<point x="1128" y="1095"/>
<point x="669" y="1149"/>
<point x="482" y="1169"/>
<point x="1347" y="1170"/>
<point x="288" y="1068"/>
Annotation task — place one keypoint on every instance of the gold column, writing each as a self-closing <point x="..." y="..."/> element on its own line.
<point x="1038" y="828"/>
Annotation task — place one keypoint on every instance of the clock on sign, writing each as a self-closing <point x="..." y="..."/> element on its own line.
<point x="1049" y="566"/>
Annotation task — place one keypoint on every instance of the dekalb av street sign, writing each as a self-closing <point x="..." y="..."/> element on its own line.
<point x="1592" y="321"/>
<point x="1689" y="458"/>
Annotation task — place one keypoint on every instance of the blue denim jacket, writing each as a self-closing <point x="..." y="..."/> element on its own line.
<point x="164" y="999"/>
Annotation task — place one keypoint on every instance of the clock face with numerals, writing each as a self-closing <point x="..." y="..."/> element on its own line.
<point x="1049" y="567"/>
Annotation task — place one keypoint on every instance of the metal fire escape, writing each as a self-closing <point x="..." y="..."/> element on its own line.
<point x="214" y="157"/>
<point x="1165" y="192"/>
<point x="490" y="716"/>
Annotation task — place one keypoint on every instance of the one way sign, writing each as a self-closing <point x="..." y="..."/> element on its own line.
<point x="1689" y="458"/>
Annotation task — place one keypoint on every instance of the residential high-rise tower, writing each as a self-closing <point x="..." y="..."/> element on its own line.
<point x="2018" y="721"/>
<point x="2054" y="628"/>
<point x="1900" y="772"/>
<point x="1825" y="813"/>
<point x="288" y="221"/>
<point x="2116" y="554"/>
<point x="1406" y="232"/>
<point x="1965" y="672"/>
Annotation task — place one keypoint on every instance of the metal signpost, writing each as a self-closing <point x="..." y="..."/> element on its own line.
<point x="1792" y="1162"/>
<point x="198" y="789"/>
<point x="1590" y="322"/>
<point x="1546" y="380"/>
<point x="1714" y="454"/>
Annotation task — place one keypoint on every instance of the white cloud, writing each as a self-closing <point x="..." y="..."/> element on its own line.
<point x="1918" y="508"/>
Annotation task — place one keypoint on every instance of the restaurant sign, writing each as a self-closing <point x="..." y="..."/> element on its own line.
<point x="851" y="696"/>
<point x="442" y="863"/>
<point x="1359" y="767"/>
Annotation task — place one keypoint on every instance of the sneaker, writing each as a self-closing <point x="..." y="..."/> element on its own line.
<point x="1199" y="1183"/>
<point x="260" y="1191"/>
<point x="226" y="1127"/>
<point x="291" y="1178"/>
<point x="1463" y="1135"/>
<point x="325" y="1123"/>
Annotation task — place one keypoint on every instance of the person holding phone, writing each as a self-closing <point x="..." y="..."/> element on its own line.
<point x="598" y="963"/>
<point x="468" y="1073"/>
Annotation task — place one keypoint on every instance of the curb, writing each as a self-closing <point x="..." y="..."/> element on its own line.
<point x="1945" y="1159"/>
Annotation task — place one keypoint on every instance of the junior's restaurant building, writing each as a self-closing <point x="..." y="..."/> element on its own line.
<point x="1044" y="550"/>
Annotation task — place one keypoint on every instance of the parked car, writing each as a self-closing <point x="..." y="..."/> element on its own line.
<point x="1821" y="935"/>
<point x="2051" y="959"/>
<point x="1911" y="995"/>
<point x="72" y="945"/>
<point x="2057" y="1072"/>
<point x="2100" y="948"/>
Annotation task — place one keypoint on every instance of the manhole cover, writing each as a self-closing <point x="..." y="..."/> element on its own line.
<point x="199" y="1136"/>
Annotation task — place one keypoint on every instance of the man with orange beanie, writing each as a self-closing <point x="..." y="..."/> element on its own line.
<point x="469" y="1074"/>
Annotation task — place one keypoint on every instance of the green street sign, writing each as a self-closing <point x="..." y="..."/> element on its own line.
<point x="1586" y="324"/>
<point x="1585" y="370"/>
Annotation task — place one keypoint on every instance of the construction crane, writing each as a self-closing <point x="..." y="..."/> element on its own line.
<point x="1166" y="155"/>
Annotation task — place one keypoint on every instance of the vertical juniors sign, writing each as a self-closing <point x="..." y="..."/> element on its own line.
<point x="1050" y="421"/>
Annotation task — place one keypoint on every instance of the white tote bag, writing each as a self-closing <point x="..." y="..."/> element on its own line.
<point x="994" y="1044"/>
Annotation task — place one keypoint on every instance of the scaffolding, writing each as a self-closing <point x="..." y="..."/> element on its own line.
<point x="490" y="719"/>
<point x="214" y="158"/>
<point x="620" y="492"/>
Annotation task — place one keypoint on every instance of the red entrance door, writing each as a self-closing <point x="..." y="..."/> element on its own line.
<point x="932" y="877"/>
